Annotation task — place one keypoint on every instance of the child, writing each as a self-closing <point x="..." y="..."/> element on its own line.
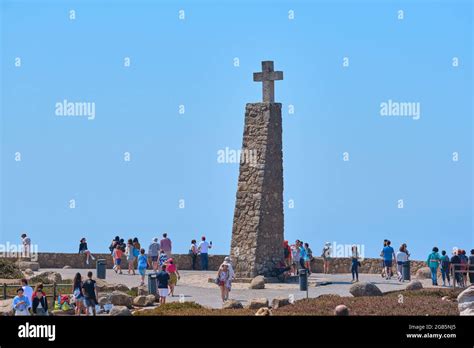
<point x="21" y="303"/>
<point x="118" y="259"/>
<point x="142" y="265"/>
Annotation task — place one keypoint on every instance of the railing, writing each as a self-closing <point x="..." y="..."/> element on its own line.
<point x="54" y="286"/>
<point x="462" y="271"/>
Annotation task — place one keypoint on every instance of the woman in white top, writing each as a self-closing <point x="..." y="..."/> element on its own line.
<point x="402" y="257"/>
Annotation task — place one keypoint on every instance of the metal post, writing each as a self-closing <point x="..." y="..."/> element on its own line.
<point x="4" y="291"/>
<point x="54" y="292"/>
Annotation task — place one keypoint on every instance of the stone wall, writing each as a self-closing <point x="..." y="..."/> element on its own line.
<point x="59" y="260"/>
<point x="343" y="265"/>
<point x="257" y="231"/>
<point x="338" y="265"/>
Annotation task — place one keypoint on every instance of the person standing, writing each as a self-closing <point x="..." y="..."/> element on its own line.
<point x="203" y="249"/>
<point x="165" y="244"/>
<point x="90" y="293"/>
<point x="433" y="263"/>
<point x="78" y="294"/>
<point x="287" y="253"/>
<point x="295" y="255"/>
<point x="326" y="255"/>
<point x="142" y="266"/>
<point x="163" y="279"/>
<point x="401" y="257"/>
<point x="131" y="256"/>
<point x="456" y="267"/>
<point x="228" y="262"/>
<point x="21" y="303"/>
<point x="83" y="250"/>
<point x="193" y="252"/>
<point x="388" y="256"/>
<point x="471" y="267"/>
<point x="222" y="280"/>
<point x="154" y="253"/>
<point x="303" y="256"/>
<point x="163" y="258"/>
<point x="137" y="246"/>
<point x="40" y="302"/>
<point x="27" y="291"/>
<point x="355" y="264"/>
<point x="308" y="257"/>
<point x="117" y="254"/>
<point x="174" y="275"/>
<point x="26" y="243"/>
<point x="445" y="268"/>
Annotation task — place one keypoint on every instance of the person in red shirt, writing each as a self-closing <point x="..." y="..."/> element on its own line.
<point x="118" y="259"/>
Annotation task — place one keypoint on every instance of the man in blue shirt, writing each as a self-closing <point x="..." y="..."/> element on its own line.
<point x="388" y="255"/>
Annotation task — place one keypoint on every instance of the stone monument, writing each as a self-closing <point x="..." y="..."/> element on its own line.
<point x="257" y="231"/>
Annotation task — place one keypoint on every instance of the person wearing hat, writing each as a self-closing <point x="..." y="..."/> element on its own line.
<point x="21" y="303"/>
<point x="154" y="253"/>
<point x="326" y="255"/>
<point x="227" y="263"/>
<point x="26" y="242"/>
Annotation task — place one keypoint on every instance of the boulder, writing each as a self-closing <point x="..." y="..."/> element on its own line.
<point x="423" y="273"/>
<point x="341" y="310"/>
<point x="103" y="301"/>
<point x="364" y="289"/>
<point x="263" y="312"/>
<point x="232" y="304"/>
<point x="23" y="265"/>
<point x="103" y="286"/>
<point x="120" y="311"/>
<point x="119" y="298"/>
<point x="280" y="302"/>
<point x="143" y="301"/>
<point x="257" y="303"/>
<point x="466" y="299"/>
<point x="414" y="285"/>
<point x="60" y="312"/>
<point x="468" y="311"/>
<point x="257" y="283"/>
<point x="121" y="287"/>
<point x="6" y="307"/>
<point x="29" y="272"/>
<point x="46" y="278"/>
<point x="142" y="290"/>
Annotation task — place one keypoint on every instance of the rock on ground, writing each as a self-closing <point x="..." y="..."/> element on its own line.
<point x="143" y="301"/>
<point x="263" y="312"/>
<point x="46" y="278"/>
<point x="423" y="273"/>
<point x="23" y="265"/>
<point x="364" y="289"/>
<point x="257" y="303"/>
<point x="121" y="287"/>
<point x="6" y="307"/>
<point x="118" y="298"/>
<point x="466" y="301"/>
<point x="257" y="283"/>
<point x="232" y="304"/>
<point x="103" y="286"/>
<point x="67" y="267"/>
<point x="120" y="311"/>
<point x="414" y="285"/>
<point x="341" y="310"/>
<point x="280" y="302"/>
<point x="29" y="272"/>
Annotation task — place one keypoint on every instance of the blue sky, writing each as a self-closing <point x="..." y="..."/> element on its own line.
<point x="174" y="156"/>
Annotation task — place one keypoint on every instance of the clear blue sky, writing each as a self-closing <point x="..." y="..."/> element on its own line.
<point x="174" y="156"/>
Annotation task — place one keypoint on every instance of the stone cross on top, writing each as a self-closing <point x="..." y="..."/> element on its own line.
<point x="268" y="78"/>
